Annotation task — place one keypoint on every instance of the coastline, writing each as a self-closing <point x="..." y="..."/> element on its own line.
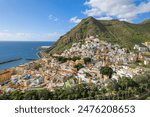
<point x="17" y="59"/>
<point x="41" y="53"/>
<point x="28" y="51"/>
<point x="38" y="54"/>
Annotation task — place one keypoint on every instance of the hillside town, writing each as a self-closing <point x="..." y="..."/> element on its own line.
<point x="79" y="64"/>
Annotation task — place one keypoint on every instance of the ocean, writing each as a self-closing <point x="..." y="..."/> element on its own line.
<point x="25" y="50"/>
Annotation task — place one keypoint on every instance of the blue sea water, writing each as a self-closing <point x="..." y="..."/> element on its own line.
<point x="12" y="50"/>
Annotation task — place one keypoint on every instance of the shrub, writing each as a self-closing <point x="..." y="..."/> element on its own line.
<point x="78" y="66"/>
<point x="87" y="60"/>
<point x="37" y="66"/>
<point x="106" y="71"/>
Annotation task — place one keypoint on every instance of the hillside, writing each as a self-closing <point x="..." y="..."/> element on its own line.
<point x="123" y="33"/>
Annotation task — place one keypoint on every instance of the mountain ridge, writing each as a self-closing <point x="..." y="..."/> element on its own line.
<point x="123" y="33"/>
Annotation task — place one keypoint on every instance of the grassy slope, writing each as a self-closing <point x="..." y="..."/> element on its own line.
<point x="114" y="31"/>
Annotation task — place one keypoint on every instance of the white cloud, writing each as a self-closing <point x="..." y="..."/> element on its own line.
<point x="105" y="18"/>
<point x="52" y="18"/>
<point x="75" y="20"/>
<point x="7" y="36"/>
<point x="125" y="20"/>
<point x="120" y="9"/>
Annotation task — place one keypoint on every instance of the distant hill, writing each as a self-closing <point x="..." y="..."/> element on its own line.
<point x="146" y="21"/>
<point x="123" y="33"/>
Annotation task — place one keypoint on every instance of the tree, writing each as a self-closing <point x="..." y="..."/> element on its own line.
<point x="127" y="82"/>
<point x="76" y="58"/>
<point x="106" y="71"/>
<point x="37" y="66"/>
<point x="79" y="66"/>
<point x="87" y="60"/>
<point x="61" y="59"/>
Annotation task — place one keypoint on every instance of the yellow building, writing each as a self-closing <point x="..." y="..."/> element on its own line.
<point x="79" y="62"/>
<point x="147" y="43"/>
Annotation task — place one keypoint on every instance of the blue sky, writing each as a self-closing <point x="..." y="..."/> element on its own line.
<point x="46" y="20"/>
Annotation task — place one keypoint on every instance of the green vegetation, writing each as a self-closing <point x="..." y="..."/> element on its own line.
<point x="87" y="60"/>
<point x="76" y="58"/>
<point x="79" y="66"/>
<point x="114" y="31"/>
<point x="148" y="98"/>
<point x="124" y="88"/>
<point x="37" y="66"/>
<point x="106" y="71"/>
<point x="61" y="59"/>
<point x="64" y="59"/>
<point x="139" y="62"/>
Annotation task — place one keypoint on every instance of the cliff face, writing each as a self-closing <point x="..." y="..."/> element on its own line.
<point x="123" y="33"/>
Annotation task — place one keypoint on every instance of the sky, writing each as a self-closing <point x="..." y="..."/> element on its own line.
<point x="47" y="20"/>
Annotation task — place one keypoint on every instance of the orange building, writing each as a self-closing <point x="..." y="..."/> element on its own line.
<point x="5" y="75"/>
